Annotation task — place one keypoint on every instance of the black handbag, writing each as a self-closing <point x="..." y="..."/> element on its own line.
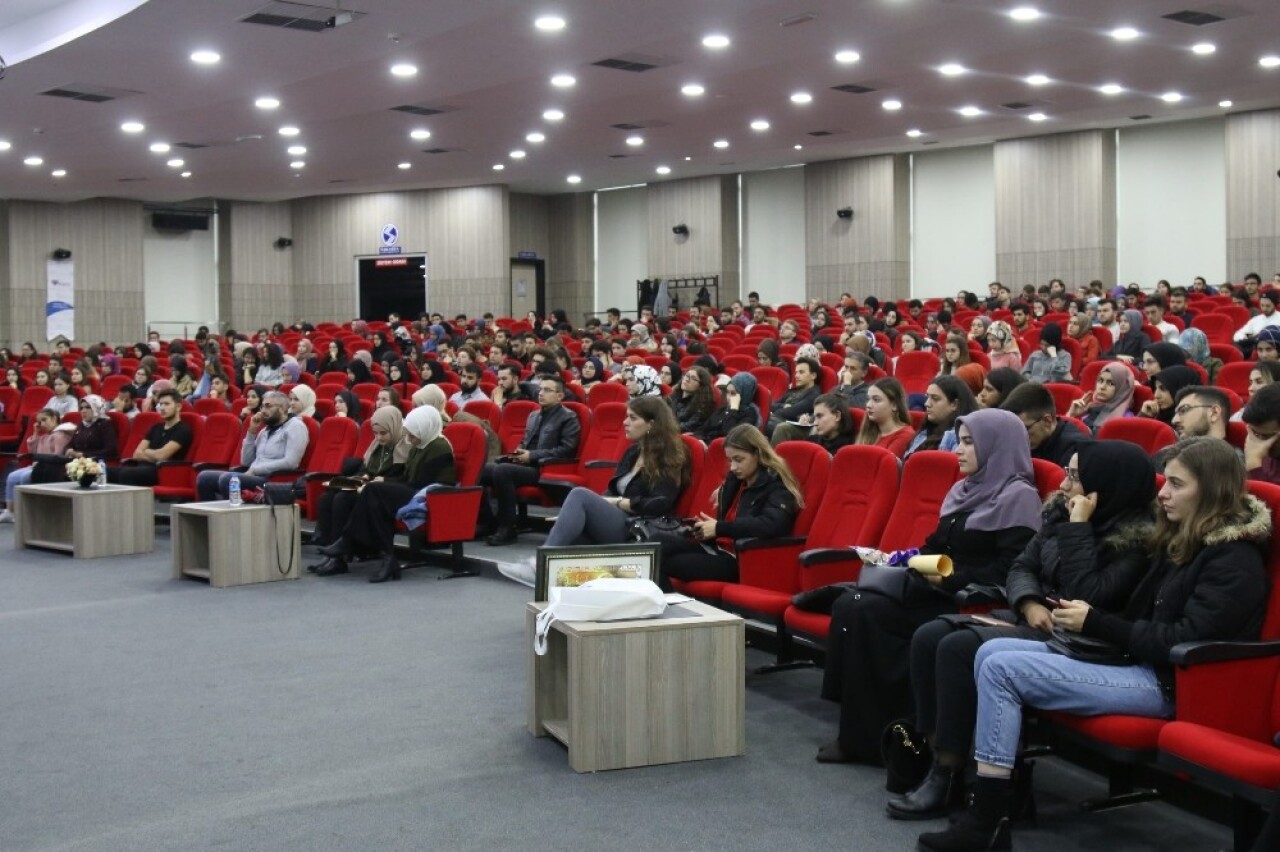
<point x="887" y="580"/>
<point x="907" y="757"/>
<point x="1087" y="649"/>
<point x="644" y="529"/>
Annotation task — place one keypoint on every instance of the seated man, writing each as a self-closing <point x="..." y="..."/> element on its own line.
<point x="1262" y="415"/>
<point x="275" y="442"/>
<point x="797" y="402"/>
<point x="469" y="382"/>
<point x="126" y="401"/>
<point x="1197" y="412"/>
<point x="1051" y="437"/>
<point x="165" y="441"/>
<point x="552" y="433"/>
<point x="853" y="379"/>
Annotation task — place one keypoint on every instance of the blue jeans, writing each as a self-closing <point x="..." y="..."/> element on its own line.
<point x="1011" y="673"/>
<point x="21" y="476"/>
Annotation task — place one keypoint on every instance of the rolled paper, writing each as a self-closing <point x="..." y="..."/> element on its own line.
<point x="939" y="564"/>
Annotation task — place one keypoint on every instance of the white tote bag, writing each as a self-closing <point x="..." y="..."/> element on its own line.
<point x="605" y="599"/>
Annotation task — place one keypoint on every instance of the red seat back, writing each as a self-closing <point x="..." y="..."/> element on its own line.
<point x="515" y="415"/>
<point x="1218" y="327"/>
<point x="1235" y="377"/>
<point x="927" y="476"/>
<point x="1049" y="477"/>
<point x="810" y="464"/>
<point x="697" y="462"/>
<point x="1150" y="435"/>
<point x="364" y="437"/>
<point x="1064" y="395"/>
<point x="207" y="407"/>
<point x="715" y="466"/>
<point x="469" y="447"/>
<point x="862" y="486"/>
<point x="607" y="392"/>
<point x="220" y="442"/>
<point x="774" y="379"/>
<point x="138" y="429"/>
<point x="334" y="440"/>
<point x="915" y="370"/>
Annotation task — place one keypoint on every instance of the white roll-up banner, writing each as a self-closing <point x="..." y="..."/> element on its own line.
<point x="60" y="303"/>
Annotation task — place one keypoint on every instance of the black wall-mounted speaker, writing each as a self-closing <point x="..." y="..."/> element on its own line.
<point x="680" y="230"/>
<point x="179" y="222"/>
<point x="845" y="212"/>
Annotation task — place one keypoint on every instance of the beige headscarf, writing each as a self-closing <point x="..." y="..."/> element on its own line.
<point x="433" y="396"/>
<point x="389" y="417"/>
<point x="307" y="397"/>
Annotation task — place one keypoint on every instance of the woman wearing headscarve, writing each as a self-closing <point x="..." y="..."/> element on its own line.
<point x="180" y="375"/>
<point x="1049" y="363"/>
<point x="305" y="355"/>
<point x="1080" y="329"/>
<point x="302" y="401"/>
<point x="358" y="373"/>
<point x="1002" y="347"/>
<point x="384" y="459"/>
<point x="432" y="395"/>
<point x="640" y="338"/>
<point x="382" y="351"/>
<point x="1196" y="345"/>
<point x="433" y="372"/>
<point x="972" y="374"/>
<point x="1159" y="356"/>
<point x="642" y="380"/>
<point x="591" y="373"/>
<point x="433" y="338"/>
<point x="1132" y="340"/>
<point x="978" y="331"/>
<point x="1092" y="546"/>
<point x="737" y="407"/>
<point x="372" y="524"/>
<point x="986" y="520"/>
<point x="1111" y="397"/>
<point x="347" y="404"/>
<point x="94" y="438"/>
<point x="1166" y="384"/>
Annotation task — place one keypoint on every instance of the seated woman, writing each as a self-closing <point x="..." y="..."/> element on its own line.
<point x="1166" y="384"/>
<point x="738" y="408"/>
<point x="1092" y="546"/>
<point x="1196" y="345"/>
<point x="1206" y="581"/>
<point x="887" y="422"/>
<point x="1161" y="356"/>
<point x="1110" y="398"/>
<point x="1049" y="363"/>
<point x="271" y="371"/>
<point x="1080" y="329"/>
<point x="252" y="401"/>
<point x="692" y="401"/>
<point x="94" y="438"/>
<point x="50" y="438"/>
<point x="1261" y="374"/>
<point x="384" y="459"/>
<point x="302" y="401"/>
<point x="641" y="380"/>
<point x="946" y="398"/>
<point x="591" y="373"/>
<point x="371" y="526"/>
<point x="986" y="520"/>
<point x="830" y="427"/>
<point x="1132" y="340"/>
<point x="1002" y="347"/>
<point x="955" y="353"/>
<point x="347" y="404"/>
<point x="996" y="386"/>
<point x="180" y="376"/>
<point x="63" y="401"/>
<point x="358" y="372"/>
<point x="760" y="498"/>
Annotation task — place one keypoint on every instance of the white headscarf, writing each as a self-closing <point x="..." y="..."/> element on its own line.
<point x="424" y="423"/>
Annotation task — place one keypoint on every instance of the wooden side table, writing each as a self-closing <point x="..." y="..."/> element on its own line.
<point x="235" y="546"/>
<point x="106" y="520"/>
<point x="637" y="693"/>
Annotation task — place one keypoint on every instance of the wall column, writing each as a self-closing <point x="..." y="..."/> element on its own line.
<point x="1253" y="194"/>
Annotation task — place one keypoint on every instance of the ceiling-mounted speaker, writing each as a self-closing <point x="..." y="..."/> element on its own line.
<point x="283" y="243"/>
<point x="61" y="254"/>
<point x="845" y="212"/>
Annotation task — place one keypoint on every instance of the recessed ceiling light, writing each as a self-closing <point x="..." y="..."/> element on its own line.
<point x="1226" y="104"/>
<point x="1171" y="97"/>
<point x="549" y="23"/>
<point x="289" y="130"/>
<point x="297" y="164"/>
<point x="404" y="69"/>
<point x="175" y="163"/>
<point x="59" y="172"/>
<point x="1024" y="13"/>
<point x="159" y="147"/>
<point x="1037" y="116"/>
<point x="687" y="159"/>
<point x="206" y="57"/>
<point x="721" y="143"/>
<point x="5" y="145"/>
<point x="691" y="89"/>
<point x="296" y="150"/>
<point x="1269" y="61"/>
<point x="798" y="147"/>
<point x="760" y="124"/>
<point x="404" y="166"/>
<point x="801" y="97"/>
<point x="563" y="81"/>
<point x="1124" y="34"/>
<point x="892" y="104"/>
<point x="715" y="41"/>
<point x="574" y="179"/>
<point x="497" y="167"/>
<point x="185" y="174"/>
<point x="848" y="57"/>
<point x="952" y="69"/>
<point x="635" y="141"/>
<point x="1111" y="88"/>
<point x="969" y="111"/>
<point x="914" y="133"/>
<point x="535" y="138"/>
<point x="517" y="154"/>
<point x="1037" y="80"/>
<point x="1204" y="48"/>
<point x="267" y="103"/>
<point x="133" y="127"/>
<point x="34" y="161"/>
<point x="553" y="115"/>
<point x="663" y="170"/>
<point x="419" y="133"/>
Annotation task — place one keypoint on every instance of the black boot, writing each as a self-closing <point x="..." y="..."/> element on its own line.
<point x="331" y="566"/>
<point x="985" y="825"/>
<point x="338" y="548"/>
<point x="941" y="790"/>
<point x="389" y="570"/>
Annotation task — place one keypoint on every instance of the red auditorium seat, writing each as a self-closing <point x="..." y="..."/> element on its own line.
<point x="1235" y="377"/>
<point x="697" y="500"/>
<point x="1049" y="477"/>
<point x="1149" y="434"/>
<point x="607" y="392"/>
<point x="603" y="446"/>
<point x="915" y="370"/>
<point x="217" y="448"/>
<point x="336" y="441"/>
<point x="515" y="415"/>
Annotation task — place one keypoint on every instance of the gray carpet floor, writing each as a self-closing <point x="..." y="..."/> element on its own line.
<point x="141" y="712"/>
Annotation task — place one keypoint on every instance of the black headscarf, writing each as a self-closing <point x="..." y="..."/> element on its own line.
<point x="1167" y="354"/>
<point x="1123" y="477"/>
<point x="359" y="372"/>
<point x="353" y="404"/>
<point x="1174" y="379"/>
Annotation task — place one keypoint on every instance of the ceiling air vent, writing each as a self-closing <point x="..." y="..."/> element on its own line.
<point x="89" y="93"/>
<point x="618" y="156"/>
<point x="1195" y="19"/>
<point x="423" y="109"/>
<point x="131" y="180"/>
<point x="820" y="132"/>
<point x="854" y="89"/>
<point x="1139" y="117"/>
<point x="640" y="125"/>
<point x="302" y="17"/>
<point x="190" y="146"/>
<point x="637" y="63"/>
<point x="1016" y="105"/>
<point x="440" y="150"/>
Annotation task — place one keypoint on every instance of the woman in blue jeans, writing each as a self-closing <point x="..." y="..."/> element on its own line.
<point x="1207" y="581"/>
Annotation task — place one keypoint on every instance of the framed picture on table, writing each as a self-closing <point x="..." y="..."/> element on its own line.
<point x="564" y="567"/>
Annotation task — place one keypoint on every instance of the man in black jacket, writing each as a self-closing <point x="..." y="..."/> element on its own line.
<point x="551" y="434"/>
<point x="798" y="401"/>
<point x="1051" y="437"/>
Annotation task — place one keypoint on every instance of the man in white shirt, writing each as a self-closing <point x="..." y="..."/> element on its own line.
<point x="1268" y="317"/>
<point x="469" y="381"/>
<point x="1154" y="311"/>
<point x="1108" y="318"/>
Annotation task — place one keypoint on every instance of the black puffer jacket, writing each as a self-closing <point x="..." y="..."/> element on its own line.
<point x="1074" y="560"/>
<point x="766" y="509"/>
<point x="1221" y="594"/>
<point x="977" y="556"/>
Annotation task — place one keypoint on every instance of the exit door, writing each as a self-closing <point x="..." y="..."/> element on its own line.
<point x="526" y="287"/>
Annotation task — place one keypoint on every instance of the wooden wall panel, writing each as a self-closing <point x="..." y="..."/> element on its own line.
<point x="255" y="285"/>
<point x="1253" y="194"/>
<point x="529" y="224"/>
<point x="869" y="254"/>
<point x="695" y="202"/>
<point x="571" y="254"/>
<point x="730" y="240"/>
<point x="105" y="238"/>
<point x="1056" y="209"/>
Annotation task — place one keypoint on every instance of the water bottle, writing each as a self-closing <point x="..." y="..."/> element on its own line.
<point x="102" y="472"/>
<point x="233" y="491"/>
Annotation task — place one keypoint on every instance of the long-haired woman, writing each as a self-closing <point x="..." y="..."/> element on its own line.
<point x="946" y="398"/>
<point x="693" y="400"/>
<point x="887" y="422"/>
<point x="955" y="354"/>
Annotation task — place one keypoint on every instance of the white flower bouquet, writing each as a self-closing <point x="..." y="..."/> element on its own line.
<point x="83" y="468"/>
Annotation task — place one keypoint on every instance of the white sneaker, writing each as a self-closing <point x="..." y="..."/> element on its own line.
<point x="6" y="517"/>
<point x="523" y="572"/>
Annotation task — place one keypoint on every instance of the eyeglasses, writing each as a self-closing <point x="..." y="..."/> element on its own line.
<point x="1073" y="475"/>
<point x="1181" y="410"/>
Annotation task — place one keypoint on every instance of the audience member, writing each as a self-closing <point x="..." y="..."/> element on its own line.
<point x="168" y="440"/>
<point x="997" y="385"/>
<point x="887" y="423"/>
<point x="1050" y="437"/>
<point x="1049" y="363"/>
<point x="946" y="398"/>
<point x="274" y="443"/>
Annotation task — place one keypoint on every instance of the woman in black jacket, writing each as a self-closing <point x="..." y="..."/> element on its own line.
<point x="95" y="438"/>
<point x="738" y="408"/>
<point x="1207" y="581"/>
<point x="759" y="499"/>
<point x="692" y="401"/>
<point x="1092" y="545"/>
<point x="986" y="521"/>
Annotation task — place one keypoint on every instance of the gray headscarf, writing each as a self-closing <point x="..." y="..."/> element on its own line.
<point x="1001" y="493"/>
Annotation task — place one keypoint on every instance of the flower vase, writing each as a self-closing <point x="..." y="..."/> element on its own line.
<point x="87" y="481"/>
